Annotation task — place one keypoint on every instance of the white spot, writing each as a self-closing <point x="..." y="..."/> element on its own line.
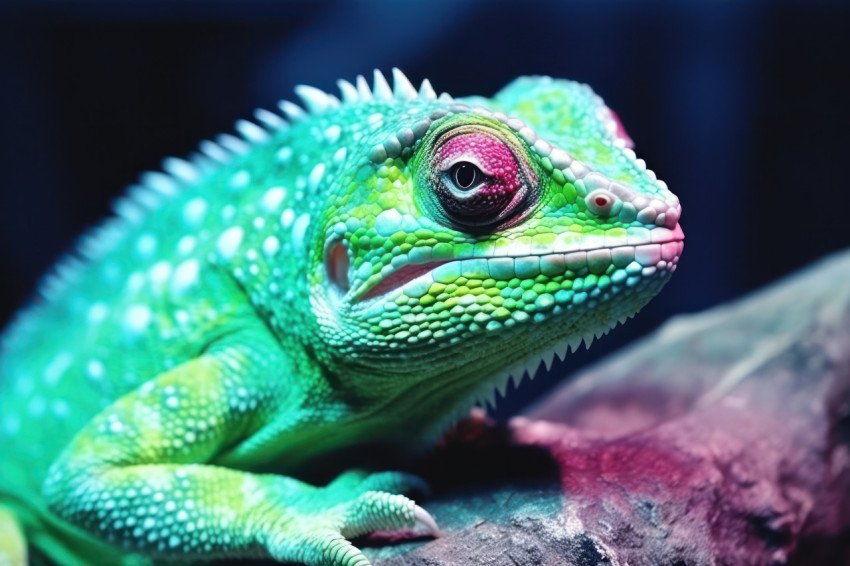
<point x="316" y="177"/>
<point x="160" y="272"/>
<point x="11" y="425"/>
<point x="258" y="223"/>
<point x="272" y="199"/>
<point x="194" y="212"/>
<point x="228" y="212"/>
<point x="172" y="402"/>
<point x="146" y="245"/>
<point x="135" y="282"/>
<point x="182" y="317"/>
<point x="57" y="367"/>
<point x="299" y="231"/>
<point x="340" y="154"/>
<point x="95" y="369"/>
<point x="116" y="426"/>
<point x="137" y="318"/>
<point x="332" y="133"/>
<point x="270" y="246"/>
<point x="60" y="408"/>
<point x="287" y="217"/>
<point x="185" y="276"/>
<point x="284" y="154"/>
<point x="229" y="241"/>
<point x="97" y="313"/>
<point x="186" y="244"/>
<point x="240" y="180"/>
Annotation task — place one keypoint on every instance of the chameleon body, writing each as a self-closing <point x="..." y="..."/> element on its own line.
<point x="359" y="272"/>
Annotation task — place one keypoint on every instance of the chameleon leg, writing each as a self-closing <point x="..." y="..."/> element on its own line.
<point x="139" y="475"/>
<point x="13" y="545"/>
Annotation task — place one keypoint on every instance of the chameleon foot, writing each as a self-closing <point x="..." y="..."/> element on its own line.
<point x="354" y="504"/>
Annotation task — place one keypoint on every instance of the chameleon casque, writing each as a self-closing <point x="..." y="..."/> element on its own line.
<point x="360" y="272"/>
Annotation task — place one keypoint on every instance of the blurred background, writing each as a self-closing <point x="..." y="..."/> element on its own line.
<point x="742" y="108"/>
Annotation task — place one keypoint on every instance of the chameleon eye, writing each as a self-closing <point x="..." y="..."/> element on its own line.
<point x="465" y="175"/>
<point x="475" y="178"/>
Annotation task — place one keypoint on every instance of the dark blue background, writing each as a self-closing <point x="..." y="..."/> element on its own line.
<point x="742" y="109"/>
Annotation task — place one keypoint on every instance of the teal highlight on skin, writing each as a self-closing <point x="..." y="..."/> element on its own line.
<point x="197" y="340"/>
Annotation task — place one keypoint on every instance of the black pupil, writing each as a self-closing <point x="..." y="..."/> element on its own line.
<point x="465" y="175"/>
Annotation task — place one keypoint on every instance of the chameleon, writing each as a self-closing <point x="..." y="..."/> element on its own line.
<point x="343" y="278"/>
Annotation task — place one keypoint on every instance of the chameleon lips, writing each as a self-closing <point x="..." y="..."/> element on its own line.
<point x="400" y="278"/>
<point x="630" y="262"/>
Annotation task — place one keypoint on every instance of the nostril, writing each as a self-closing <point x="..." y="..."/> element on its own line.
<point x="603" y="203"/>
<point x="337" y="264"/>
<point x="671" y="217"/>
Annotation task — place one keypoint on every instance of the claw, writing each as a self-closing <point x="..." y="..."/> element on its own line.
<point x="426" y="520"/>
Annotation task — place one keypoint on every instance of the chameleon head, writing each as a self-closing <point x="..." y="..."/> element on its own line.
<point x="481" y="236"/>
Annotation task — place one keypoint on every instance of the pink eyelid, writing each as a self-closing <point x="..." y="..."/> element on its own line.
<point x="485" y="152"/>
<point x="447" y="164"/>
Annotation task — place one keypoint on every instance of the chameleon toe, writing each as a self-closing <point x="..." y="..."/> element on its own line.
<point x="323" y="548"/>
<point x="378" y="511"/>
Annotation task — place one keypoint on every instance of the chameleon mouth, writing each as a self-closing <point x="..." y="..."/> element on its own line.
<point x="401" y="277"/>
<point x="642" y="259"/>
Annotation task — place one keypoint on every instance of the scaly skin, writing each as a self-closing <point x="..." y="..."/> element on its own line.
<point x="363" y="272"/>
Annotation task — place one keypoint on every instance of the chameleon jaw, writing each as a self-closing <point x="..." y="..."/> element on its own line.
<point x="488" y="390"/>
<point x="415" y="279"/>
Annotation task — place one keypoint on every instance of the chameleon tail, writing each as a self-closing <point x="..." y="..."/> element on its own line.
<point x="13" y="544"/>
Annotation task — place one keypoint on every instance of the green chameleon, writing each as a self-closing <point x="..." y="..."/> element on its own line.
<point x="355" y="275"/>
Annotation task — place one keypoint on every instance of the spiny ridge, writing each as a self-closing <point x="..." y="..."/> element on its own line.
<point x="531" y="366"/>
<point x="155" y="186"/>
